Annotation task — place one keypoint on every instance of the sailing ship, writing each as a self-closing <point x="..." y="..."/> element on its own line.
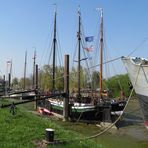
<point x="25" y="93"/>
<point x="83" y="107"/>
<point x="137" y="69"/>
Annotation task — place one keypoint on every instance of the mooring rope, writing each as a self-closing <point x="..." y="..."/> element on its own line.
<point x="112" y="124"/>
<point x="106" y="129"/>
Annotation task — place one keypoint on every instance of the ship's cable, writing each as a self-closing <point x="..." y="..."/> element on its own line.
<point x="143" y="41"/>
<point x="112" y="124"/>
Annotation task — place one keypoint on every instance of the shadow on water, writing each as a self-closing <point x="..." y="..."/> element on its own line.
<point x="129" y="119"/>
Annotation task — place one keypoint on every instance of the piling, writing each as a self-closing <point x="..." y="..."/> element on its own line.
<point x="66" y="89"/>
<point x="36" y="85"/>
<point x="9" y="81"/>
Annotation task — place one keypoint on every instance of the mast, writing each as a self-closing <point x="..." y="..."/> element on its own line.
<point x="9" y="72"/>
<point x="10" y="75"/>
<point x="34" y="61"/>
<point x="54" y="51"/>
<point x="25" y="65"/>
<point x="101" y="49"/>
<point x="79" y="52"/>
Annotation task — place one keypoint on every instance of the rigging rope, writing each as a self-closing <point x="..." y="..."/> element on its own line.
<point x="105" y="62"/>
<point x="143" y="41"/>
<point x="96" y="65"/>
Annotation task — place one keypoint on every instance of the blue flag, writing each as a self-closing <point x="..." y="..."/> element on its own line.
<point x="89" y="39"/>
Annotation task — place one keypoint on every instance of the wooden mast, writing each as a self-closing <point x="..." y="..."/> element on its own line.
<point x="25" y="65"/>
<point x="54" y="53"/>
<point x="79" y="53"/>
<point x="101" y="49"/>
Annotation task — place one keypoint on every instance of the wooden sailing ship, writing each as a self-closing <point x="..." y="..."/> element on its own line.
<point x="83" y="107"/>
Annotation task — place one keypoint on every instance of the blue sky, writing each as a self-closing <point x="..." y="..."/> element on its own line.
<point x="26" y="24"/>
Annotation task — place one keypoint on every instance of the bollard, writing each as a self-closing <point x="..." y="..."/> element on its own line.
<point x="49" y="135"/>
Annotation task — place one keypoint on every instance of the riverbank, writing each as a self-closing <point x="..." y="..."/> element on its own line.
<point x="27" y="129"/>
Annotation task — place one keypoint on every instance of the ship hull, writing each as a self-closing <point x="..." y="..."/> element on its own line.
<point x="137" y="69"/>
<point x="143" y="100"/>
<point x="87" y="112"/>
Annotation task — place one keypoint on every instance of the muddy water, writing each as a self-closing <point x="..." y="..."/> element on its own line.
<point x="130" y="134"/>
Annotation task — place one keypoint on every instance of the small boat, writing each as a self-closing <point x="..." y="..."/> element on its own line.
<point x="137" y="69"/>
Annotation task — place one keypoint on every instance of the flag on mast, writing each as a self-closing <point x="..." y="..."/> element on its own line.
<point x="89" y="39"/>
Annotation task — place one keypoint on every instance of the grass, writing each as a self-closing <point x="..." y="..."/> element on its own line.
<point x="26" y="130"/>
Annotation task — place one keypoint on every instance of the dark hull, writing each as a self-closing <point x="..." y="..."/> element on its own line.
<point x="90" y="115"/>
<point x="118" y="106"/>
<point x="143" y="100"/>
<point x="101" y="112"/>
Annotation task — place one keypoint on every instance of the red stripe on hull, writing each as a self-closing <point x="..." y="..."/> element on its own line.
<point x="146" y="124"/>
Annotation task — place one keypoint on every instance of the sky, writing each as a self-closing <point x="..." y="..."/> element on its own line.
<point x="27" y="25"/>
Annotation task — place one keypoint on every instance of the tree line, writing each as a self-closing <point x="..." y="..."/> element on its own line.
<point x="115" y="84"/>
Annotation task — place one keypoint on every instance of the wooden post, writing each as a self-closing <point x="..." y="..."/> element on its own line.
<point x="36" y="85"/>
<point x="9" y="81"/>
<point x="66" y="89"/>
<point x="4" y="85"/>
<point x="36" y="77"/>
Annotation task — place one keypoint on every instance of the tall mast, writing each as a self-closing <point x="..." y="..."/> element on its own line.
<point x="10" y="69"/>
<point x="54" y="51"/>
<point x="79" y="52"/>
<point x="25" y="70"/>
<point x="101" y="49"/>
<point x="10" y="77"/>
<point x="34" y="62"/>
<point x="9" y="72"/>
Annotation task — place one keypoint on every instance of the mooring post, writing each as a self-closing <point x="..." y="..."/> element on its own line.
<point x="4" y="85"/>
<point x="66" y="88"/>
<point x="9" y="81"/>
<point x="36" y="85"/>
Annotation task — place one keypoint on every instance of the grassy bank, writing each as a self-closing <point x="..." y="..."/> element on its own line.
<point x="28" y="130"/>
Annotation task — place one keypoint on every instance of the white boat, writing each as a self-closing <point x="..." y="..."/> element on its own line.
<point x="137" y="69"/>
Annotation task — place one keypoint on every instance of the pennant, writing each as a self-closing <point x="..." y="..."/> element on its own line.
<point x="89" y="39"/>
<point x="89" y="48"/>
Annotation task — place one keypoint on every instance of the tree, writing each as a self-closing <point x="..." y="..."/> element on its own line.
<point x="118" y="83"/>
<point x="46" y="78"/>
<point x="59" y="78"/>
<point x="15" y="83"/>
<point x="95" y="79"/>
<point x="28" y="83"/>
